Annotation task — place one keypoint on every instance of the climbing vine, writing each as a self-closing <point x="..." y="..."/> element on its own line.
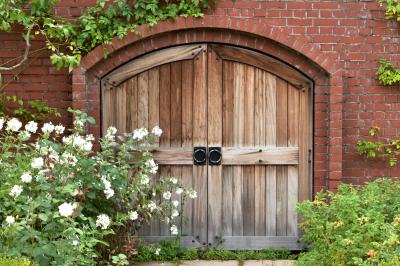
<point x="68" y="39"/>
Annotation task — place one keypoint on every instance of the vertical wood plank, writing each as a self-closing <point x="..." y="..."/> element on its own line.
<point x="132" y="105"/>
<point x="200" y="139"/>
<point x="106" y="110"/>
<point x="176" y="104"/>
<point x="228" y="141"/>
<point x="214" y="128"/>
<point x="304" y="145"/>
<point x="238" y="131"/>
<point x="165" y="123"/>
<point x="293" y="141"/>
<point x="270" y="133"/>
<point x="187" y="140"/>
<point x="259" y="139"/>
<point x="248" y="171"/>
<point x="121" y="107"/>
<point x="281" y="171"/>
<point x="143" y="97"/>
<point x="154" y="120"/>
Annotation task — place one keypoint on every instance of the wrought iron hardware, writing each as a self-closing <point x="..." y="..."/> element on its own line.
<point x="214" y="155"/>
<point x="199" y="155"/>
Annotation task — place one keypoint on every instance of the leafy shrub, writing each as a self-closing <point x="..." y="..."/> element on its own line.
<point x="359" y="225"/>
<point x="62" y="202"/>
<point x="14" y="262"/>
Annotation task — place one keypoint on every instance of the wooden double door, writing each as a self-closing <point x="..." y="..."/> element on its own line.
<point x="253" y="108"/>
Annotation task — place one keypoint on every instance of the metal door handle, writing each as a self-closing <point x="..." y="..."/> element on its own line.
<point x="214" y="155"/>
<point x="199" y="155"/>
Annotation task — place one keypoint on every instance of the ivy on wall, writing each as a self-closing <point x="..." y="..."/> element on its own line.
<point x="69" y="39"/>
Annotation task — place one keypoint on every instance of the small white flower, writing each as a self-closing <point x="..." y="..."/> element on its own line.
<point x="103" y="221"/>
<point x="1" y="122"/>
<point x="174" y="230"/>
<point x="152" y="206"/>
<point x="111" y="131"/>
<point x="174" y="213"/>
<point x="26" y="177"/>
<point x="66" y="209"/>
<point x="13" y="125"/>
<point x="78" y="124"/>
<point x="37" y="163"/>
<point x="109" y="193"/>
<point x="157" y="251"/>
<point x="69" y="158"/>
<point x="133" y="215"/>
<point x="179" y="191"/>
<point x="152" y="165"/>
<point x="10" y="219"/>
<point x="157" y="131"/>
<point x="32" y="127"/>
<point x="174" y="180"/>
<point x="59" y="129"/>
<point x="16" y="191"/>
<point x="47" y="128"/>
<point x="75" y="242"/>
<point x="167" y="195"/>
<point x="145" y="180"/>
<point x="175" y="203"/>
<point x="140" y="133"/>
<point x="24" y="135"/>
<point x="192" y="194"/>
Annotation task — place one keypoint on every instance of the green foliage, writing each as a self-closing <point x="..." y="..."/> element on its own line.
<point x="392" y="8"/>
<point x="26" y="111"/>
<point x="355" y="226"/>
<point x="14" y="262"/>
<point x="62" y="202"/>
<point x="388" y="74"/>
<point x="172" y="251"/>
<point x="389" y="150"/>
<point x="69" y="39"/>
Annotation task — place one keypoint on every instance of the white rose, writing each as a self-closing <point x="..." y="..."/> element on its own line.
<point x="26" y="177"/>
<point x="48" y="128"/>
<point x="152" y="165"/>
<point x="133" y="216"/>
<point x="167" y="195"/>
<point x="24" y="135"/>
<point x="1" y="122"/>
<point x="75" y="242"/>
<point x="10" y="219"/>
<point x="66" y="209"/>
<point x="32" y="127"/>
<point x="157" y="131"/>
<point x="179" y="191"/>
<point x="157" y="251"/>
<point x="152" y="206"/>
<point x="174" y="230"/>
<point x="145" y="180"/>
<point x="13" y="125"/>
<point x="109" y="193"/>
<point x="16" y="191"/>
<point x="140" y="133"/>
<point x="111" y="131"/>
<point x="192" y="194"/>
<point x="37" y="163"/>
<point x="103" y="221"/>
<point x="174" y="213"/>
<point x="175" y="203"/>
<point x="59" y="129"/>
<point x="174" y="180"/>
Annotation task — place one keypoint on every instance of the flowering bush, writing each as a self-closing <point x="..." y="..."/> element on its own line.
<point x="359" y="226"/>
<point x="61" y="202"/>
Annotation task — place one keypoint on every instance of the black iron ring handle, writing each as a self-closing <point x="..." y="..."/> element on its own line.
<point x="199" y="155"/>
<point x="215" y="156"/>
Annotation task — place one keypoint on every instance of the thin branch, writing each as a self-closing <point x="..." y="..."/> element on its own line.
<point x="25" y="57"/>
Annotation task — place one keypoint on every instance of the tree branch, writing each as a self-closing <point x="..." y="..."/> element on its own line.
<point x="25" y="57"/>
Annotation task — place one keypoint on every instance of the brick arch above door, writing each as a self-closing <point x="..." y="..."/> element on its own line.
<point x="250" y="33"/>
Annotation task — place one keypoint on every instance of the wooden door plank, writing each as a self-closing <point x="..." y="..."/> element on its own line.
<point x="106" y="110"/>
<point x="158" y="58"/>
<point x="304" y="127"/>
<point x="187" y="140"/>
<point x="143" y="100"/>
<point x="165" y="105"/>
<point x="227" y="141"/>
<point x="214" y="128"/>
<point x="238" y="131"/>
<point x="121" y="107"/>
<point x="267" y="155"/>
<point x="293" y="140"/>
<point x="260" y="242"/>
<point x="270" y="132"/>
<point x="248" y="171"/>
<point x="132" y="105"/>
<point x="154" y="97"/>
<point x="176" y="104"/>
<point x="281" y="171"/>
<point x="259" y="139"/>
<point x="200" y="139"/>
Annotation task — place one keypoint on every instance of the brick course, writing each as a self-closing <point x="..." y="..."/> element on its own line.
<point x="337" y="43"/>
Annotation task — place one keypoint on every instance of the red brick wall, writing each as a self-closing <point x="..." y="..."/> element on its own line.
<point x="342" y="38"/>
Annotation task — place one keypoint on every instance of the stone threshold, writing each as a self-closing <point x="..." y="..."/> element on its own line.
<point x="223" y="263"/>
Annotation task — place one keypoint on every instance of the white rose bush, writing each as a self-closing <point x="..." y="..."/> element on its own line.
<point x="62" y="202"/>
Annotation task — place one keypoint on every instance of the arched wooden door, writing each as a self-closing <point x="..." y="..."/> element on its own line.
<point x="254" y="108"/>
